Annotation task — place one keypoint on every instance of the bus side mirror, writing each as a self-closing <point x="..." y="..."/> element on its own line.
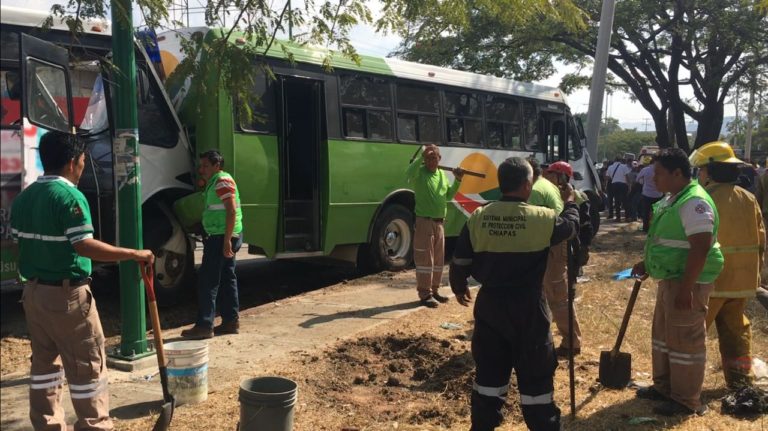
<point x="577" y="176"/>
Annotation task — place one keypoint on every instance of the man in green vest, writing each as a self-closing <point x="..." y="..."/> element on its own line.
<point x="51" y="221"/>
<point x="504" y="246"/>
<point x="222" y="222"/>
<point x="433" y="192"/>
<point x="682" y="252"/>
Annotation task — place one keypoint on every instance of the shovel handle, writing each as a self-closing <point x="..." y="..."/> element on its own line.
<point x="148" y="274"/>
<point x="627" y="313"/>
<point x="466" y="172"/>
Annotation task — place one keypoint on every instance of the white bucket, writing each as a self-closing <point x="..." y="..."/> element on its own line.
<point x="187" y="371"/>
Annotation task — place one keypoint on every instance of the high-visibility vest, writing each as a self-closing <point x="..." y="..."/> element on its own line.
<point x="214" y="214"/>
<point x="666" y="248"/>
<point x="741" y="238"/>
<point x="503" y="227"/>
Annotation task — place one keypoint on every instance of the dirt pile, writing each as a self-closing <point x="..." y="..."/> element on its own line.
<point x="421" y="379"/>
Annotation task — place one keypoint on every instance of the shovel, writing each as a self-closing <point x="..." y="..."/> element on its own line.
<point x="616" y="366"/>
<point x="169" y="403"/>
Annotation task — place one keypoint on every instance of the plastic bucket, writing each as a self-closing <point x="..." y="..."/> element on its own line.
<point x="187" y="371"/>
<point x="266" y="404"/>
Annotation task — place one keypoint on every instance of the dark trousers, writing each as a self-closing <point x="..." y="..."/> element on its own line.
<point x="646" y="210"/>
<point x="517" y="339"/>
<point x="618" y="199"/>
<point x="633" y="202"/>
<point x="217" y="275"/>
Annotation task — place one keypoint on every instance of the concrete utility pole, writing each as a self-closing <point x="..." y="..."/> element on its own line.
<point x="598" y="76"/>
<point x="133" y="344"/>
<point x="750" y="119"/>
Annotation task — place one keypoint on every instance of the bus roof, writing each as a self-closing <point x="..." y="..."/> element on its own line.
<point x="399" y="68"/>
<point x="34" y="18"/>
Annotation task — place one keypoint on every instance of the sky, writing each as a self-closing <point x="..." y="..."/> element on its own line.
<point x="364" y="38"/>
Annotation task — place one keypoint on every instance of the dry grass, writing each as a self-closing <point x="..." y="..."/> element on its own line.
<point x="329" y="400"/>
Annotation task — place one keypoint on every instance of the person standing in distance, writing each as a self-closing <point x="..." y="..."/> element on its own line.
<point x="682" y="252"/>
<point x="504" y="246"/>
<point x="51" y="221"/>
<point x="433" y="192"/>
<point x="223" y="225"/>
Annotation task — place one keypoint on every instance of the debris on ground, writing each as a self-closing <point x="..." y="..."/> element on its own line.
<point x="748" y="400"/>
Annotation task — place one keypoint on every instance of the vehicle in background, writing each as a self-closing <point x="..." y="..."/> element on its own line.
<point x="321" y="171"/>
<point x="646" y="154"/>
<point x="64" y="88"/>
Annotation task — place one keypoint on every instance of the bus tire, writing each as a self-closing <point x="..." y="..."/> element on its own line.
<point x="391" y="245"/>
<point x="174" y="256"/>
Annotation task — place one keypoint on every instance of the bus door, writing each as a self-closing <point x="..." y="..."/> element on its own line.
<point x="301" y="133"/>
<point x="553" y="130"/>
<point x="36" y="97"/>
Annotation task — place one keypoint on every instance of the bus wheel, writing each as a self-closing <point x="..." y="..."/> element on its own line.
<point x="174" y="257"/>
<point x="391" y="246"/>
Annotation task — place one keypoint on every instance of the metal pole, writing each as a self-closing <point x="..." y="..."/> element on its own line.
<point x="290" y="22"/>
<point x="598" y="75"/>
<point x="127" y="178"/>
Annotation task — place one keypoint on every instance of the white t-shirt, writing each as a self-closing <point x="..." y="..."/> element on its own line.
<point x="617" y="173"/>
<point x="645" y="177"/>
<point x="696" y="215"/>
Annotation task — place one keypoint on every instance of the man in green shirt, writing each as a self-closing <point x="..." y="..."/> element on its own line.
<point x="433" y="192"/>
<point x="555" y="284"/>
<point x="51" y="222"/>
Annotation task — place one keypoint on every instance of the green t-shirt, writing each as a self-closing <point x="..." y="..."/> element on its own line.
<point x="47" y="218"/>
<point x="432" y="190"/>
<point x="546" y="194"/>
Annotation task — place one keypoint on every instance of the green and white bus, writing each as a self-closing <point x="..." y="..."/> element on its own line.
<point x="323" y="175"/>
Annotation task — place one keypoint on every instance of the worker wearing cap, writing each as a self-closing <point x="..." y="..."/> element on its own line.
<point x="504" y="246"/>
<point x="682" y="252"/>
<point x="51" y="221"/>
<point x="555" y="284"/>
<point x="433" y="192"/>
<point x="742" y="242"/>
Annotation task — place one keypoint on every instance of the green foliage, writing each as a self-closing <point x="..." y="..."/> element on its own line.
<point x="624" y="141"/>
<point x="219" y="62"/>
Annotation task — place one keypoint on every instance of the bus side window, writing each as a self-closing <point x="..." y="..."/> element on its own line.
<point x="366" y="106"/>
<point x="156" y="125"/>
<point x="575" y="152"/>
<point x="463" y="118"/>
<point x="263" y="111"/>
<point x="418" y="114"/>
<point x="503" y="122"/>
<point x="531" y="128"/>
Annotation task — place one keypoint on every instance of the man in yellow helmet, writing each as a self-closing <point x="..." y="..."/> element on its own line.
<point x="742" y="242"/>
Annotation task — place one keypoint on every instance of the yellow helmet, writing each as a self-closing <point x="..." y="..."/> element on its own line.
<point x="717" y="151"/>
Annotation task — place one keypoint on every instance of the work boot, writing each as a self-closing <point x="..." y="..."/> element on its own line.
<point x="232" y="327"/>
<point x="650" y="393"/>
<point x="673" y="408"/>
<point x="429" y="302"/>
<point x="440" y="298"/>
<point x="197" y="333"/>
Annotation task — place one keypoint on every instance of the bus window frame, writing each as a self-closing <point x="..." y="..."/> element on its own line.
<point x="439" y="114"/>
<point x="366" y="108"/>
<point x="486" y="120"/>
<point x="446" y="117"/>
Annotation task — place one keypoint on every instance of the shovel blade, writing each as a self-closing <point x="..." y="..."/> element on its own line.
<point x="164" y="420"/>
<point x="615" y="370"/>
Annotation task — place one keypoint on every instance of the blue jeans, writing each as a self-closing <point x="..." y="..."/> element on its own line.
<point x="217" y="274"/>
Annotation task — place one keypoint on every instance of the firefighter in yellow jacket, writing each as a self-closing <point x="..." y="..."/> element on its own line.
<point x="742" y="242"/>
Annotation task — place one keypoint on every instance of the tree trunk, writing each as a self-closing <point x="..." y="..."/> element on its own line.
<point x="662" y="135"/>
<point x="750" y="119"/>
<point x="709" y="126"/>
